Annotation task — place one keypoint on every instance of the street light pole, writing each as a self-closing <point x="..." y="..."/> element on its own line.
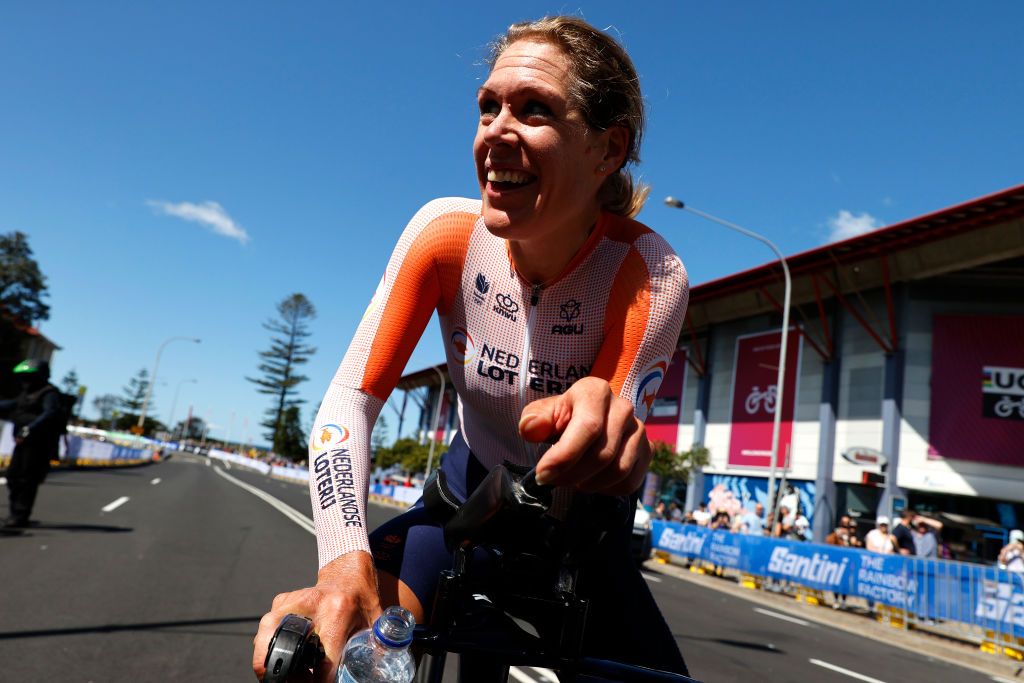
<point x="437" y="415"/>
<point x="174" y="403"/>
<point x="780" y="381"/>
<point x="152" y="380"/>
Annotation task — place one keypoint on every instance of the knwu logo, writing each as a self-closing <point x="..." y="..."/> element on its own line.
<point x="482" y="287"/>
<point x="507" y="306"/>
<point x="1002" y="392"/>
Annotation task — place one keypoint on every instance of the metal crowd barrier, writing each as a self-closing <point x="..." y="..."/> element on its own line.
<point x="974" y="602"/>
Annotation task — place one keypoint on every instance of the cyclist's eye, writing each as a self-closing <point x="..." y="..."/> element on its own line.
<point x="536" y="108"/>
<point x="489" y="108"/>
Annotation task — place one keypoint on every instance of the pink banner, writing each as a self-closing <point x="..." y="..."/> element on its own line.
<point x="754" y="398"/>
<point x="664" y="417"/>
<point x="977" y="407"/>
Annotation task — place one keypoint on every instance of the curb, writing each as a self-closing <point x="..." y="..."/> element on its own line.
<point x="948" y="650"/>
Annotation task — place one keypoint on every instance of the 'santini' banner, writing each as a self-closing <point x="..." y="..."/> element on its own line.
<point x="977" y="407"/>
<point x="755" y="398"/>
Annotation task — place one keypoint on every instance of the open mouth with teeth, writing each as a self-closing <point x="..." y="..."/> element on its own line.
<point x="503" y="181"/>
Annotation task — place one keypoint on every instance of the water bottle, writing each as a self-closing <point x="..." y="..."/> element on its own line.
<point x="380" y="654"/>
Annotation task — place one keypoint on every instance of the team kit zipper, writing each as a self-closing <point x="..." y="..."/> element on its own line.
<point x="524" y="380"/>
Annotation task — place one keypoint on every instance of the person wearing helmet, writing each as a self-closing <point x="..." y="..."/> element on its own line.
<point x="36" y="414"/>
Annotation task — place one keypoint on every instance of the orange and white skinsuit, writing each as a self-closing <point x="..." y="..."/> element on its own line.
<point x="615" y="312"/>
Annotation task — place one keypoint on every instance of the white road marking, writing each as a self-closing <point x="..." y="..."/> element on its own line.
<point x="155" y="481"/>
<point x="286" y="510"/>
<point x="546" y="674"/>
<point x="1002" y="680"/>
<point x="227" y="465"/>
<point x="207" y="463"/>
<point x="3" y="480"/>
<point x="784" y="617"/>
<point x="650" y="577"/>
<point x="845" y="672"/>
<point x="519" y="676"/>
<point x="110" y="507"/>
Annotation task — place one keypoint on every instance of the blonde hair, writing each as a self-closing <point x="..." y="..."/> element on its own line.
<point x="604" y="89"/>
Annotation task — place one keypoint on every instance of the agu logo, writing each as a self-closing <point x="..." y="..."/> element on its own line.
<point x="463" y="347"/>
<point x="648" y="387"/>
<point x="328" y="436"/>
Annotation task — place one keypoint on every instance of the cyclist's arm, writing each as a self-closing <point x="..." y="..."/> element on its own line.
<point x="418" y="280"/>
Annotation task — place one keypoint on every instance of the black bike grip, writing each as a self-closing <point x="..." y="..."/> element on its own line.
<point x="293" y="647"/>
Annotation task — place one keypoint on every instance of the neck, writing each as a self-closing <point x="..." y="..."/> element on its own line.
<point x="543" y="258"/>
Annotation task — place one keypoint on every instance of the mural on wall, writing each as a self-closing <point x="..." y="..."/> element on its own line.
<point x="663" y="421"/>
<point x="754" y="398"/>
<point x="977" y="388"/>
<point x="732" y="493"/>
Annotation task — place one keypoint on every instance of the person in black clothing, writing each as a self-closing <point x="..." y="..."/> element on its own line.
<point x="36" y="414"/>
<point x="904" y="533"/>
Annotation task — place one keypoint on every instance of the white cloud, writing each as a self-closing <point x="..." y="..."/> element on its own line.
<point x="209" y="214"/>
<point x="845" y="225"/>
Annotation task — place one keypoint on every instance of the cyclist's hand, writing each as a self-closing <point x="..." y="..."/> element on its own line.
<point x="343" y="601"/>
<point x="601" y="446"/>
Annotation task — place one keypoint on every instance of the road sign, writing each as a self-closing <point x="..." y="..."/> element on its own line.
<point x="864" y="456"/>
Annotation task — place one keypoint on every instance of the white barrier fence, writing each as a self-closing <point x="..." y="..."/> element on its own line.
<point x="298" y="474"/>
<point x="77" y="449"/>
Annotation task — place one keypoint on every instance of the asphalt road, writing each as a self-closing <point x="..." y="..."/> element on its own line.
<point x="162" y="572"/>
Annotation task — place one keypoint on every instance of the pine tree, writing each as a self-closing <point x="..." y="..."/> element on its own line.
<point x="22" y="290"/>
<point x="133" y="397"/>
<point x="279" y="376"/>
<point x="70" y="382"/>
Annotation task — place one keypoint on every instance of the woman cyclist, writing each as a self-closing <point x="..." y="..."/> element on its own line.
<point x="559" y="315"/>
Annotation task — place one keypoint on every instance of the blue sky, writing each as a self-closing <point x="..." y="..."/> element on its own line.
<point x="182" y="167"/>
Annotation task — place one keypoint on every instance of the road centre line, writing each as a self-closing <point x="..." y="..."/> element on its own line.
<point x="650" y="577"/>
<point x="545" y="674"/>
<point x="110" y="507"/>
<point x="999" y="679"/>
<point x="155" y="481"/>
<point x="845" y="672"/>
<point x="3" y="480"/>
<point x="784" y="617"/>
<point x="286" y="510"/>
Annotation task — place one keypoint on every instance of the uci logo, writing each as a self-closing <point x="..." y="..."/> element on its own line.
<point x="463" y="347"/>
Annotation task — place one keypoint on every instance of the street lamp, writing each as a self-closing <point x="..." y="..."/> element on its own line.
<point x="152" y="380"/>
<point x="678" y="204"/>
<point x="174" y="403"/>
<point x="437" y="416"/>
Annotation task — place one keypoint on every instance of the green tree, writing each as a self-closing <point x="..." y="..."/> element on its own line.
<point x="70" y="382"/>
<point x="190" y="429"/>
<point x="22" y="284"/>
<point x="380" y="435"/>
<point x="22" y="290"/>
<point x="132" y="398"/>
<point x="668" y="464"/>
<point x="105" y="405"/>
<point x="292" y="441"/>
<point x="278" y="367"/>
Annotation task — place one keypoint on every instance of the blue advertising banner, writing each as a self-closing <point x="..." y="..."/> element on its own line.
<point x="988" y="597"/>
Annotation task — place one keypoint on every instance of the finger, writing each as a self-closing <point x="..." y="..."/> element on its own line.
<point x="586" y="424"/>
<point x="634" y="465"/>
<point x="602" y="466"/>
<point x="543" y="419"/>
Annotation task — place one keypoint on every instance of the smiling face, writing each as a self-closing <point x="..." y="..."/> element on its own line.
<point x="538" y="164"/>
